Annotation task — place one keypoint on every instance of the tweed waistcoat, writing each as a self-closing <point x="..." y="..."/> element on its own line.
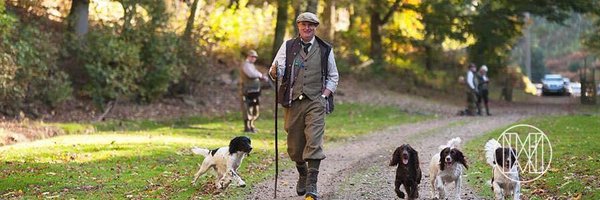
<point x="288" y="89"/>
<point x="249" y="85"/>
<point x="309" y="81"/>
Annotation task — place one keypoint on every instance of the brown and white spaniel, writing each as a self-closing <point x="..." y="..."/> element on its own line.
<point x="445" y="167"/>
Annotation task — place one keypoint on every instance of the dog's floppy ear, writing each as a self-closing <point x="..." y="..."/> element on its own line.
<point x="499" y="156"/>
<point x="396" y="157"/>
<point x="442" y="157"/>
<point x="234" y="145"/>
<point x="237" y="144"/>
<point x="414" y="157"/>
<point x="461" y="159"/>
<point x="414" y="163"/>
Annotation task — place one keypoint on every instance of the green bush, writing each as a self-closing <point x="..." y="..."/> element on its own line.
<point x="29" y="76"/>
<point x="112" y="64"/>
<point x="39" y="74"/>
<point x="161" y="66"/>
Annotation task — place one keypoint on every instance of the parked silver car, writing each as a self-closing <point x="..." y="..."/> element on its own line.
<point x="553" y="84"/>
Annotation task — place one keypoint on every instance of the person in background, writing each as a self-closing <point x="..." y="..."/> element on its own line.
<point x="483" y="83"/>
<point x="250" y="91"/>
<point x="471" y="90"/>
<point x="309" y="75"/>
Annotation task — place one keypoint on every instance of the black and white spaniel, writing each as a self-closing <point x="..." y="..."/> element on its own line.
<point x="447" y="167"/>
<point x="408" y="172"/>
<point x="505" y="174"/>
<point x="225" y="160"/>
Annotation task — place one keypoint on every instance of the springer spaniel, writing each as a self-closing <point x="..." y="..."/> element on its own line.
<point x="447" y="167"/>
<point x="505" y="178"/>
<point x="225" y="160"/>
<point x="408" y="172"/>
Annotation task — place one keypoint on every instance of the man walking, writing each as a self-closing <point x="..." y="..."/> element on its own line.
<point x="309" y="76"/>
<point x="250" y="81"/>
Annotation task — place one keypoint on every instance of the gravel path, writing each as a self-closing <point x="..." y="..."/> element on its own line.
<point x="364" y="174"/>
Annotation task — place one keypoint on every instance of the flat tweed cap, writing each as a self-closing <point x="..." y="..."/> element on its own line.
<point x="307" y="17"/>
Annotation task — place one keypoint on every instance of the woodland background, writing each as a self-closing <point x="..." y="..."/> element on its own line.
<point x="101" y="52"/>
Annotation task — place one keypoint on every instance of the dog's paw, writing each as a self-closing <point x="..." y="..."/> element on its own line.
<point x="222" y="185"/>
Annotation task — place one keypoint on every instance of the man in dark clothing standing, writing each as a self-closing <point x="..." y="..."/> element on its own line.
<point x="483" y="82"/>
<point x="309" y="75"/>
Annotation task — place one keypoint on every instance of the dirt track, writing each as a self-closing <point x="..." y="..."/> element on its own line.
<point x="358" y="169"/>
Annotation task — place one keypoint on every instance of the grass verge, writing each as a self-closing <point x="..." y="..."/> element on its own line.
<point x="574" y="172"/>
<point x="151" y="159"/>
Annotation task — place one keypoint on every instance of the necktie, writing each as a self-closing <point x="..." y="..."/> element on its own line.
<point x="306" y="46"/>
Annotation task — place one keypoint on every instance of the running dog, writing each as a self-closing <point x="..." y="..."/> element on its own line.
<point x="505" y="178"/>
<point x="408" y="172"/>
<point x="225" y="160"/>
<point x="445" y="167"/>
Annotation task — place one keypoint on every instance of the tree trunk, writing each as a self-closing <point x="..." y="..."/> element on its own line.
<point x="78" y="22"/>
<point x="312" y="6"/>
<point x="297" y="10"/>
<point x="376" y="46"/>
<point x="282" y="10"/>
<point x="428" y="57"/>
<point x="329" y="20"/>
<point x="376" y="23"/>
<point x="187" y="34"/>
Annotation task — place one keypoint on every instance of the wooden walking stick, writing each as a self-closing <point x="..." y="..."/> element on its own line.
<point x="276" y="145"/>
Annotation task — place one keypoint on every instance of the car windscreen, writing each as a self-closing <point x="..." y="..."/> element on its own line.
<point x="554" y="79"/>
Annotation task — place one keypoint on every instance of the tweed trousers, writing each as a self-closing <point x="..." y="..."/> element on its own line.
<point x="305" y="125"/>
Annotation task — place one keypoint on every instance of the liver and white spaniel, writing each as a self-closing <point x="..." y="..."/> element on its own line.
<point x="447" y="167"/>
<point x="505" y="174"/>
<point x="225" y="160"/>
<point x="408" y="172"/>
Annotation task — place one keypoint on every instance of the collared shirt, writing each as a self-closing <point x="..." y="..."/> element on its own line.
<point x="470" y="79"/>
<point x="332" y="77"/>
<point x="311" y="42"/>
<point x="250" y="70"/>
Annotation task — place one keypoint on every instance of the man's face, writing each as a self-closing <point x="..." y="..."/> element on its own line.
<point x="307" y="30"/>
<point x="251" y="59"/>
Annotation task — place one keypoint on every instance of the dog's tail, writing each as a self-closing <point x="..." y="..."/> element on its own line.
<point x="490" y="150"/>
<point x="201" y="151"/>
<point x="453" y="143"/>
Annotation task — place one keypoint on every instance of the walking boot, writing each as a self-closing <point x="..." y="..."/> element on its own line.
<point x="487" y="110"/>
<point x="301" y="184"/>
<point x="311" y="180"/>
